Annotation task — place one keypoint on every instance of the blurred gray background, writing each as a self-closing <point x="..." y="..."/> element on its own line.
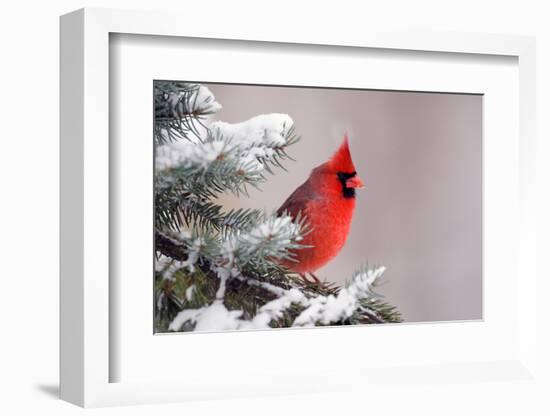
<point x="420" y="156"/>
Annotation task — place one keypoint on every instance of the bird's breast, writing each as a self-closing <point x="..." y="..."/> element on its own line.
<point x="330" y="223"/>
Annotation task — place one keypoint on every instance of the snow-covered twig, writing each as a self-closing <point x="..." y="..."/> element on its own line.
<point x="249" y="146"/>
<point x="182" y="110"/>
<point x="274" y="237"/>
<point x="187" y="154"/>
<point x="328" y="309"/>
<point x="317" y="310"/>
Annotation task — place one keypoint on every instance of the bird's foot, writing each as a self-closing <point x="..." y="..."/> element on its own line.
<point x="314" y="280"/>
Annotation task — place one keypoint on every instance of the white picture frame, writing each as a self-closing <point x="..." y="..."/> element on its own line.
<point x="85" y="353"/>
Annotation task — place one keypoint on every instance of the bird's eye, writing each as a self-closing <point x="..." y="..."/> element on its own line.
<point x="344" y="176"/>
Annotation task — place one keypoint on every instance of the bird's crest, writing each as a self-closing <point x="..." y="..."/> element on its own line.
<point x="341" y="160"/>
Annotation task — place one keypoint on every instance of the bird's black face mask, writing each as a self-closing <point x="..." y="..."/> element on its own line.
<point x="343" y="177"/>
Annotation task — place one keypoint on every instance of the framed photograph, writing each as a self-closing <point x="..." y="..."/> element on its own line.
<point x="248" y="206"/>
<point x="301" y="259"/>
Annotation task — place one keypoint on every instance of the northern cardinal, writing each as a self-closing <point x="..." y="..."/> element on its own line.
<point x="327" y="201"/>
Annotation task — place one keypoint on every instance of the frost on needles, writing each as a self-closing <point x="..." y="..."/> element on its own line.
<point x="217" y="269"/>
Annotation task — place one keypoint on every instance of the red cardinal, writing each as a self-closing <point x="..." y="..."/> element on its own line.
<point x="327" y="201"/>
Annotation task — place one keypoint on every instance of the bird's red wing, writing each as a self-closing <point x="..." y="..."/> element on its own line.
<point x="298" y="201"/>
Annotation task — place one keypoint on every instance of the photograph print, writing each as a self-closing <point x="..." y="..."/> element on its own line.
<point x="296" y="206"/>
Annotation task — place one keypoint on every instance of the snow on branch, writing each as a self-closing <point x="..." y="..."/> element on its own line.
<point x="193" y="245"/>
<point x="274" y="237"/>
<point x="265" y="130"/>
<point x="188" y="154"/>
<point x="329" y="309"/>
<point x="262" y="140"/>
<point x="229" y="159"/>
<point x="316" y="310"/>
<point x="181" y="110"/>
<point x="249" y="145"/>
<point x="181" y="100"/>
<point x="270" y="238"/>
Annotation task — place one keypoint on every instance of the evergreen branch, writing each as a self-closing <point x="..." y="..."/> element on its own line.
<point x="291" y="306"/>
<point x="257" y="246"/>
<point x="180" y="110"/>
<point x="179" y="203"/>
<point x="189" y="212"/>
<point x="206" y="169"/>
<point x="170" y="247"/>
<point x="263" y="139"/>
<point x="191" y="174"/>
<point x="375" y="311"/>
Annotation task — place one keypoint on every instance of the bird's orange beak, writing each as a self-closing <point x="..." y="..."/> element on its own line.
<point x="355" y="182"/>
